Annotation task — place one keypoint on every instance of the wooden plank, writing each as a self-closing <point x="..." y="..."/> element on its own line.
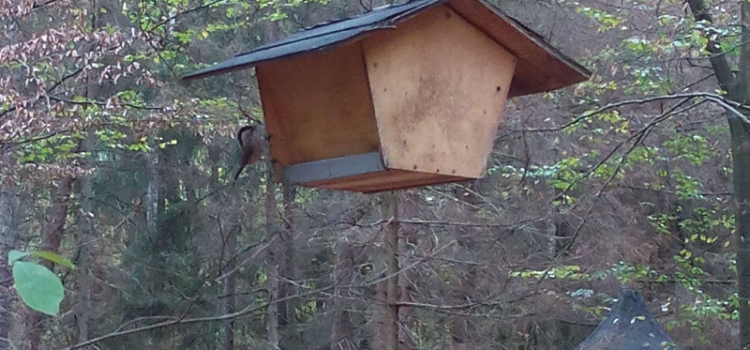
<point x="384" y="181"/>
<point x="439" y="86"/>
<point x="434" y="180"/>
<point x="317" y="105"/>
<point x="540" y="67"/>
<point x="333" y="169"/>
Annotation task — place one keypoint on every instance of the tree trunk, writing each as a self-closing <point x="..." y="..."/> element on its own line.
<point x="458" y="332"/>
<point x="153" y="191"/>
<point x="287" y="271"/>
<point x="378" y="328"/>
<point x="272" y="321"/>
<point x="738" y="90"/>
<point x="55" y="226"/>
<point x="390" y="202"/>
<point x="409" y="208"/>
<point x="230" y="248"/>
<point x="154" y="203"/>
<point x="286" y="259"/>
<point x="8" y="241"/>
<point x="341" y="326"/>
<point x="229" y="286"/>
<point x="83" y="305"/>
<point x="741" y="170"/>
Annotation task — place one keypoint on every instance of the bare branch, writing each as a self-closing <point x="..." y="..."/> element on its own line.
<point x="100" y="103"/>
<point x="181" y="321"/>
<point x="66" y="77"/>
<point x="245" y="311"/>
<point x="172" y="18"/>
<point x="467" y="224"/>
<point x="729" y="105"/>
<point x="641" y="135"/>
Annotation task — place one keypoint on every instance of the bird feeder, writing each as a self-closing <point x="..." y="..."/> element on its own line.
<point x="629" y="325"/>
<point x="402" y="96"/>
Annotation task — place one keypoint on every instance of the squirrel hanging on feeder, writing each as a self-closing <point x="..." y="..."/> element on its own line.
<point x="251" y="146"/>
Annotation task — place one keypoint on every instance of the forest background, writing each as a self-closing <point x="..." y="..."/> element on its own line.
<point x="627" y="180"/>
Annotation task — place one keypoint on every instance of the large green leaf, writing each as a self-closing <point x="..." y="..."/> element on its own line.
<point x="14" y="255"/>
<point x="38" y="287"/>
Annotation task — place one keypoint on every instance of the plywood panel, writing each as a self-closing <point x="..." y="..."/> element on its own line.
<point x="390" y="186"/>
<point x="439" y="86"/>
<point x="370" y="179"/>
<point x="317" y="105"/>
<point x="383" y="181"/>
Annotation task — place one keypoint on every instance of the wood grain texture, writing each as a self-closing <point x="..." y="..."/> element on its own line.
<point x="318" y="105"/>
<point x="439" y="86"/>
<point x="384" y="181"/>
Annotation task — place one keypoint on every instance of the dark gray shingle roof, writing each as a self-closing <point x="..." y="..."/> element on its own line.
<point x="319" y="37"/>
<point x="540" y="67"/>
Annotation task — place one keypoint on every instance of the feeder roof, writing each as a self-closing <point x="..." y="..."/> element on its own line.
<point x="540" y="67"/>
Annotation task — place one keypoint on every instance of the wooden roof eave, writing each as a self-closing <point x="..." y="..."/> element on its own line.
<point x="321" y="37"/>
<point x="540" y="67"/>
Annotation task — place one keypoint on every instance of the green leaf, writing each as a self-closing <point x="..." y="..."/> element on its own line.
<point x="15" y="255"/>
<point x="38" y="287"/>
<point x="55" y="258"/>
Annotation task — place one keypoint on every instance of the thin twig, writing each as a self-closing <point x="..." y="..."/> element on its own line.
<point x="641" y="135"/>
<point x="728" y="105"/>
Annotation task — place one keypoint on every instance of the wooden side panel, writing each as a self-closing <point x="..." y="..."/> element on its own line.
<point x="439" y="86"/>
<point x="318" y="105"/>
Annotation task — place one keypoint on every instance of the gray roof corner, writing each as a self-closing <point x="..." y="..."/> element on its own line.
<point x="319" y="37"/>
<point x="540" y="66"/>
<point x="539" y="40"/>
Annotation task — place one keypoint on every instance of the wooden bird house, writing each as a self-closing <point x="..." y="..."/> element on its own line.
<point x="402" y="96"/>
